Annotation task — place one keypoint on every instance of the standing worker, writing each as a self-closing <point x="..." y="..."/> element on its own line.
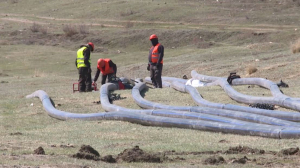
<point x="107" y="68"/>
<point x="155" y="64"/>
<point x="83" y="64"/>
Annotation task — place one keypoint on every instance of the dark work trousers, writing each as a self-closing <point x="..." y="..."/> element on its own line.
<point x="104" y="77"/>
<point x="85" y="79"/>
<point x="155" y="74"/>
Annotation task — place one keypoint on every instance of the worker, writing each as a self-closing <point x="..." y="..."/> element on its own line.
<point x="83" y="64"/>
<point x="107" y="68"/>
<point x="155" y="61"/>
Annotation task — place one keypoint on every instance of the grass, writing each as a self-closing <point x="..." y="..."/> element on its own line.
<point x="213" y="38"/>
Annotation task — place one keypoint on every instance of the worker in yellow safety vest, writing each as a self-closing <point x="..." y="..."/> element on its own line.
<point x="83" y="64"/>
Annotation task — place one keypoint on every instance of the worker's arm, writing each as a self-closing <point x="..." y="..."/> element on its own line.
<point x="113" y="65"/>
<point x="87" y="54"/>
<point x="149" y="56"/>
<point x="96" y="75"/>
<point x="76" y="62"/>
<point x="161" y="54"/>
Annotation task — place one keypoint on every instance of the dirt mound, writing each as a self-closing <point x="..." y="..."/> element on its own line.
<point x="289" y="151"/>
<point x="173" y="152"/>
<point x="214" y="160"/>
<point x="108" y="159"/>
<point x="137" y="155"/>
<point x="39" y="151"/>
<point x="243" y="150"/>
<point x="3" y="74"/>
<point x="87" y="152"/>
<point x="242" y="160"/>
<point x="16" y="133"/>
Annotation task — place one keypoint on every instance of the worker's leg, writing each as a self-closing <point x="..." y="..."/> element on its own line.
<point x="103" y="79"/>
<point x="88" y="82"/>
<point x="109" y="77"/>
<point x="157" y="76"/>
<point x="152" y="73"/>
<point x="82" y="79"/>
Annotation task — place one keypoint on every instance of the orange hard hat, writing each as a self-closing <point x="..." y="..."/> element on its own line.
<point x="92" y="45"/>
<point x="153" y="36"/>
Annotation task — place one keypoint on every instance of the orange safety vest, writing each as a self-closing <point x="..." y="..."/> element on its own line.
<point x="155" y="54"/>
<point x="107" y="69"/>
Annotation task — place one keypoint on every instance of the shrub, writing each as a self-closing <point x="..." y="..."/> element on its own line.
<point x="251" y="69"/>
<point x="70" y="30"/>
<point x="296" y="46"/>
<point x="14" y="1"/>
<point x="35" y="27"/>
<point x="38" y="28"/>
<point x="83" y="29"/>
<point x="129" y="24"/>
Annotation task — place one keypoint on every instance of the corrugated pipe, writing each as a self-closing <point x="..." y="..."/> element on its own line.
<point x="285" y="115"/>
<point x="217" y="108"/>
<point x="144" y="119"/>
<point x="280" y="99"/>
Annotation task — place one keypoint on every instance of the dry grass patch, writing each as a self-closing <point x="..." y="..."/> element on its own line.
<point x="38" y="28"/>
<point x="70" y="30"/>
<point x="296" y="47"/>
<point x="84" y="29"/>
<point x="129" y="24"/>
<point x="251" y="69"/>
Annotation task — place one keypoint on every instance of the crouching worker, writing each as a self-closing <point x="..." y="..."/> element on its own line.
<point x="108" y="70"/>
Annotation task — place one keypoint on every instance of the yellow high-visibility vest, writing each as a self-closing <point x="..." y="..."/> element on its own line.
<point x="80" y="57"/>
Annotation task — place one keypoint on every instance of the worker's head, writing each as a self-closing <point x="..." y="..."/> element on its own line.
<point x="154" y="40"/>
<point x="91" y="45"/>
<point x="101" y="63"/>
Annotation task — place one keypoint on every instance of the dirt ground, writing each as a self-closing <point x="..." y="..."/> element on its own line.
<point x="234" y="155"/>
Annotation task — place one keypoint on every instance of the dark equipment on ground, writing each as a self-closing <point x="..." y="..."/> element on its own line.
<point x="232" y="76"/>
<point x="282" y="84"/>
<point x="121" y="84"/>
<point x="263" y="106"/>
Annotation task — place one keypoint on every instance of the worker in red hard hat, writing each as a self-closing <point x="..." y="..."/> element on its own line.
<point x="83" y="64"/>
<point x="107" y="68"/>
<point x="155" y="61"/>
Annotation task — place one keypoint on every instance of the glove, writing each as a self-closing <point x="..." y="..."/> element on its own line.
<point x="148" y="67"/>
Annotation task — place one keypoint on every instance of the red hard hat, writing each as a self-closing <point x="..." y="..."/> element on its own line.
<point x="92" y="45"/>
<point x="153" y="36"/>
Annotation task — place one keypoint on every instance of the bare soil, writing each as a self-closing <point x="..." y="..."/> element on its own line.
<point x="233" y="155"/>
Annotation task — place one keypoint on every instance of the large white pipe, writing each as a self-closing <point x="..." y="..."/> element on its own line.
<point x="217" y="108"/>
<point x="131" y="115"/>
<point x="280" y="99"/>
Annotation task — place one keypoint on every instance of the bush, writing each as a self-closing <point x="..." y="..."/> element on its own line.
<point x="296" y="47"/>
<point x="129" y="24"/>
<point x="84" y="29"/>
<point x="251" y="69"/>
<point x="38" y="28"/>
<point x="35" y="27"/>
<point x="70" y="30"/>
